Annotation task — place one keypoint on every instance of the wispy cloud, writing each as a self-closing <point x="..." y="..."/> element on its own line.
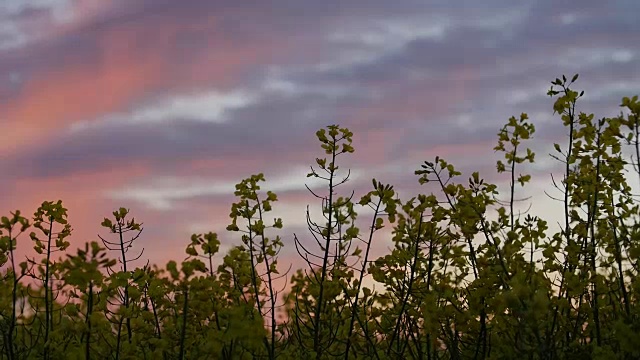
<point x="208" y="107"/>
<point x="163" y="193"/>
<point x="28" y="21"/>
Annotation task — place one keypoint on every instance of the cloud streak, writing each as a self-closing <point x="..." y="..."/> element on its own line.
<point x="161" y="194"/>
<point x="208" y="107"/>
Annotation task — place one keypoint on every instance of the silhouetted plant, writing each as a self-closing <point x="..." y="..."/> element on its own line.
<point x="262" y="250"/>
<point x="48" y="214"/>
<point x="83" y="274"/>
<point x="10" y="229"/>
<point x="120" y="280"/>
<point x="319" y="301"/>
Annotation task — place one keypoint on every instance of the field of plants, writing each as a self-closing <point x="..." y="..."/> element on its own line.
<point x="468" y="276"/>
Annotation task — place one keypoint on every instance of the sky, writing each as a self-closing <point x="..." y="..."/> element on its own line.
<point x="163" y="106"/>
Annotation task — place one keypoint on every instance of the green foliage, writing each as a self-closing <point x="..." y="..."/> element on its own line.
<point x="467" y="275"/>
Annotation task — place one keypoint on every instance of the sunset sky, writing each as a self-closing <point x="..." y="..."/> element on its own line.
<point x="162" y="106"/>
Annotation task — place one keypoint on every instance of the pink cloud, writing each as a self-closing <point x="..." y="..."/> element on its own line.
<point x="133" y="63"/>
